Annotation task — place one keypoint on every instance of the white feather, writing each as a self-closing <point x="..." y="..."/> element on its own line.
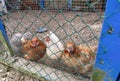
<point x="16" y="43"/>
<point x="26" y="36"/>
<point x="54" y="47"/>
<point x="17" y="40"/>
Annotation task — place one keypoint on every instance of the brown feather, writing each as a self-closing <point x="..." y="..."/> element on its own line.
<point x="80" y="57"/>
<point x="34" y="49"/>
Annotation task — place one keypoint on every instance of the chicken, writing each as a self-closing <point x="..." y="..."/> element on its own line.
<point x="16" y="43"/>
<point x="54" y="46"/>
<point x="72" y="49"/>
<point x="26" y="36"/>
<point x="34" y="49"/>
<point x="81" y="58"/>
<point x="18" y="39"/>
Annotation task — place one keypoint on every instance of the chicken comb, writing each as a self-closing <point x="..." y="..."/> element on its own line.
<point x="47" y="38"/>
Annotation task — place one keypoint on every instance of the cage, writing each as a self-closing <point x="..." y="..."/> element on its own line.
<point x="57" y="42"/>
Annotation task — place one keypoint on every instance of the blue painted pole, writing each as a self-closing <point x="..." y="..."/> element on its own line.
<point x="42" y="4"/>
<point x="69" y="4"/>
<point x="4" y="37"/>
<point x="108" y="54"/>
<point x="3" y="30"/>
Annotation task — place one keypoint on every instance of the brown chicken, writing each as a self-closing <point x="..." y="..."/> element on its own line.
<point x="34" y="49"/>
<point x="72" y="49"/>
<point x="81" y="58"/>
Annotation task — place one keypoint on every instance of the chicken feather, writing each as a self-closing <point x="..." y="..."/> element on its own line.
<point x="82" y="59"/>
<point x="54" y="46"/>
<point x="34" y="49"/>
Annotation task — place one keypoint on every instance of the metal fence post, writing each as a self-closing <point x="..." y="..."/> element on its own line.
<point x="108" y="56"/>
<point x="42" y="4"/>
<point x="69" y="4"/>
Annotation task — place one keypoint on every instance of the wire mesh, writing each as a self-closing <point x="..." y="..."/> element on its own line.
<point x="55" y="23"/>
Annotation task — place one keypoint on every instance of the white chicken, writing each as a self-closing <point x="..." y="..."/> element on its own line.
<point x="54" y="46"/>
<point x="16" y="43"/>
<point x="17" y="40"/>
<point x="26" y="36"/>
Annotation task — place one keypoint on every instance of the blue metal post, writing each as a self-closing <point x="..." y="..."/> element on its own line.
<point x="42" y="4"/>
<point x="4" y="38"/>
<point x="69" y="4"/>
<point x="3" y="30"/>
<point x="108" y="54"/>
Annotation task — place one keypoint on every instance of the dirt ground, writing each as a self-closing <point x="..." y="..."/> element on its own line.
<point x="80" y="27"/>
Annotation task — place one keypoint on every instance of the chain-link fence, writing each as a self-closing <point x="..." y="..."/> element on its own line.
<point x="77" y="5"/>
<point x="52" y="40"/>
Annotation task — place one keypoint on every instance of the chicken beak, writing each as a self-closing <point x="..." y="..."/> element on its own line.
<point x="34" y="44"/>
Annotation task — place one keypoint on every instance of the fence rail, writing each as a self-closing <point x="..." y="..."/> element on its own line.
<point x="77" y="5"/>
